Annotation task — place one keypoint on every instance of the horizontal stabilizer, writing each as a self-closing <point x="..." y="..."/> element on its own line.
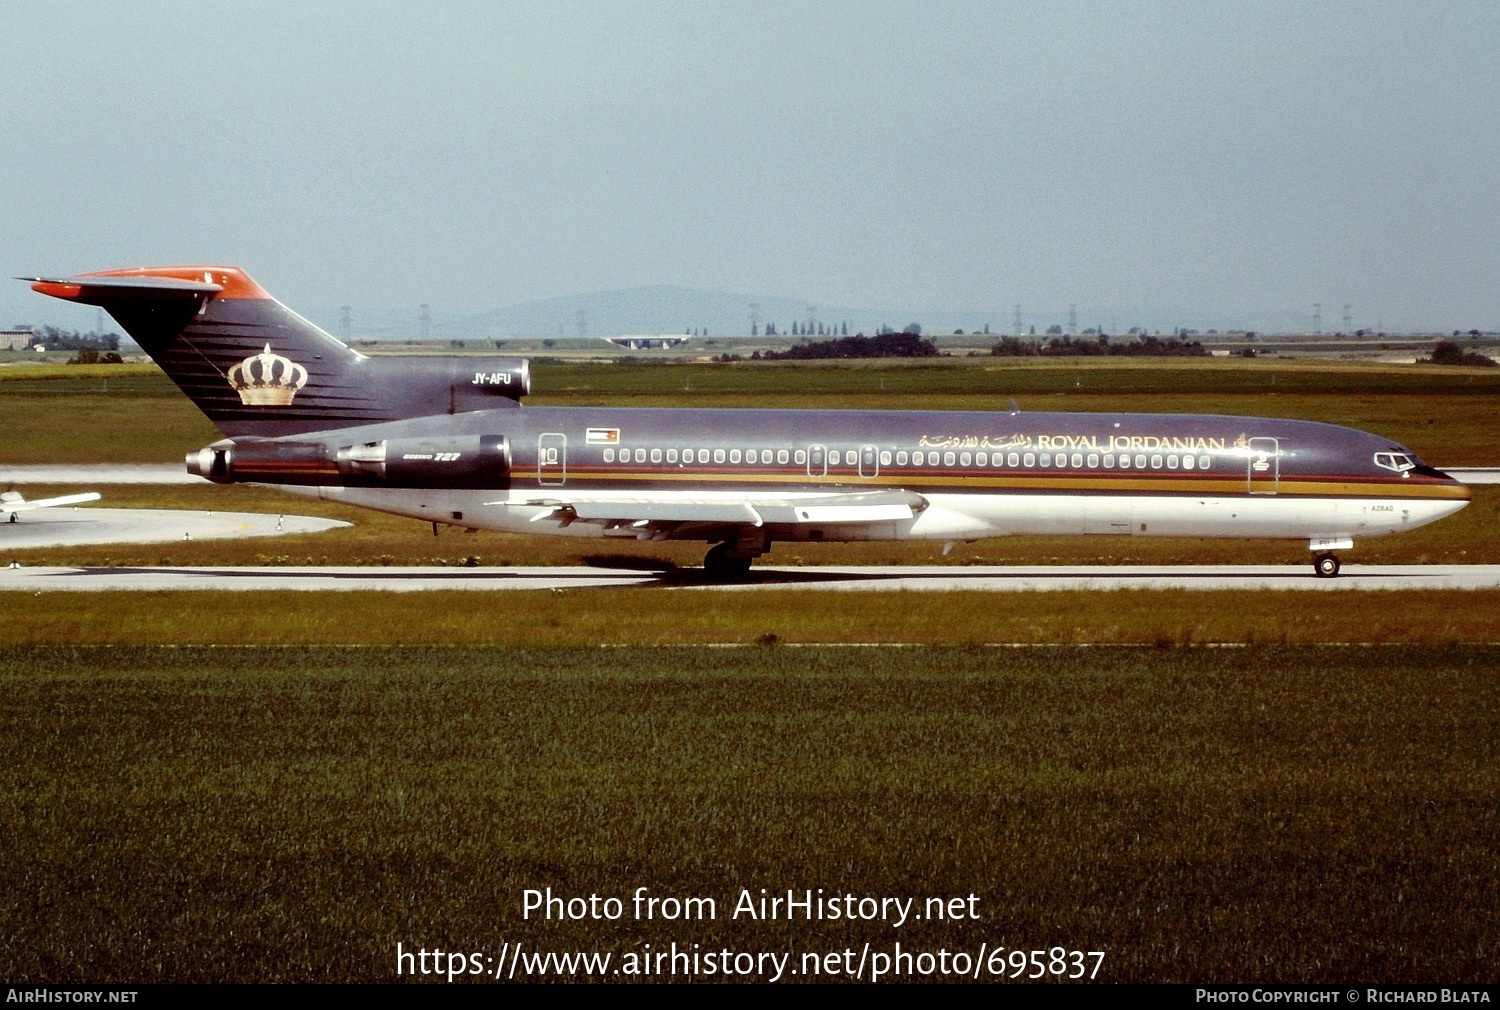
<point x="96" y="290"/>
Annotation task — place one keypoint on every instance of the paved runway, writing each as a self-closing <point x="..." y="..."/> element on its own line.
<point x="62" y="527"/>
<point x="989" y="579"/>
<point x="99" y="473"/>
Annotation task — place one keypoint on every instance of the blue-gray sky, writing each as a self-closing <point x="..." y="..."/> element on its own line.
<point x="1233" y="158"/>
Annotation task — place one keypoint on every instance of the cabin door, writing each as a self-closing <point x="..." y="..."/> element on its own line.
<point x="817" y="461"/>
<point x="1263" y="469"/>
<point x="552" y="459"/>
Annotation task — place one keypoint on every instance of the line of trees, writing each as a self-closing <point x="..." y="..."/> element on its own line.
<point x="55" y="339"/>
<point x="1067" y="347"/>
<point x="806" y="329"/>
<point x="1449" y="352"/>
<point x="886" y="345"/>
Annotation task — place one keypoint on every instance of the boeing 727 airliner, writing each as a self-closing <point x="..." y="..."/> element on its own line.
<point x="447" y="440"/>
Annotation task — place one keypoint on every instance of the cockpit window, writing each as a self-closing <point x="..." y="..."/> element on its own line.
<point x="1400" y="462"/>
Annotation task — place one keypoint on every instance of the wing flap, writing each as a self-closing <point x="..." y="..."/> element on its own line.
<point x="645" y="513"/>
<point x="662" y="511"/>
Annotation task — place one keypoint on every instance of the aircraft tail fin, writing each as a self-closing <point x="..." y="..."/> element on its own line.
<point x="257" y="368"/>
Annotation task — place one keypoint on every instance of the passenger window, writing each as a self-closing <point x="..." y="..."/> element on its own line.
<point x="1124" y="462"/>
<point x="1172" y="462"/>
<point x="671" y="455"/>
<point x="1140" y="461"/>
<point x="734" y="455"/>
<point x="703" y="455"/>
<point x="965" y="459"/>
<point x="1030" y="459"/>
<point x="1077" y="460"/>
<point x="1202" y="462"/>
<point x="948" y="459"/>
<point x="983" y="459"/>
<point x="1093" y="461"/>
<point x="1187" y="462"/>
<point x="609" y="455"/>
<point x="1109" y="461"/>
<point x="1046" y="459"/>
<point x="656" y="455"/>
<point x="640" y="455"/>
<point x="1156" y="462"/>
<point x="901" y="458"/>
<point x="718" y="455"/>
<point x="781" y="456"/>
<point x="800" y="456"/>
<point x="885" y="457"/>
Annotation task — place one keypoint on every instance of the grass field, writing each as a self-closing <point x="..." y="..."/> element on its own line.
<point x="579" y="617"/>
<point x="1308" y="815"/>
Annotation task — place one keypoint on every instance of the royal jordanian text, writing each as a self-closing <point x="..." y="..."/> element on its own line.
<point x="1108" y="443"/>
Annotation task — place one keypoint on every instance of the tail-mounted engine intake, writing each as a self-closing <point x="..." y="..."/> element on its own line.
<point x="473" y="383"/>
<point x="472" y="461"/>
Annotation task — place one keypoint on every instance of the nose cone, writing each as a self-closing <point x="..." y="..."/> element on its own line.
<point x="1444" y="485"/>
<point x="1431" y="495"/>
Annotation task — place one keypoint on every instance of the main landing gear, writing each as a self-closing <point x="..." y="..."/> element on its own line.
<point x="1325" y="565"/>
<point x="731" y="559"/>
<point x="719" y="563"/>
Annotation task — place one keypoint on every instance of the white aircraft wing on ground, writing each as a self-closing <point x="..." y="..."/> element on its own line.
<point x="12" y="502"/>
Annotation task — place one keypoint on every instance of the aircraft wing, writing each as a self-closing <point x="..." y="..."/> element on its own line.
<point x="11" y="502"/>
<point x="648" y="515"/>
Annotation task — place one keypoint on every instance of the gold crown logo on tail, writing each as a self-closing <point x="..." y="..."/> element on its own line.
<point x="267" y="380"/>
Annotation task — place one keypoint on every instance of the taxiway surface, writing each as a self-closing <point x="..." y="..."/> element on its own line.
<point x="66" y="527"/>
<point x="989" y="579"/>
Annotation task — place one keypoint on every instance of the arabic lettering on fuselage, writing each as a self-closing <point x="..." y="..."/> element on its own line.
<point x="1109" y="443"/>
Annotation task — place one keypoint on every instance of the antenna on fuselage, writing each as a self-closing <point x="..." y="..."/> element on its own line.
<point x="1014" y="410"/>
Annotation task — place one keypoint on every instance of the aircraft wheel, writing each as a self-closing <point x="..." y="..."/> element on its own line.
<point x="1326" y="566"/>
<point x="720" y="564"/>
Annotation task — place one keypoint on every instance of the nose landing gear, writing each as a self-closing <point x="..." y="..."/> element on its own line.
<point x="1325" y="565"/>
